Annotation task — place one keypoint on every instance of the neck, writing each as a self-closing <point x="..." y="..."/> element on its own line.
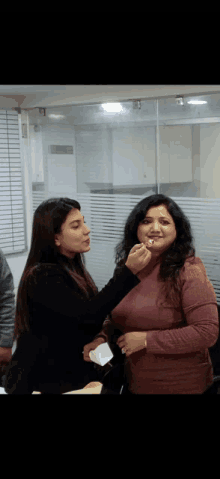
<point x="155" y="259"/>
<point x="152" y="263"/>
<point x="67" y="259"/>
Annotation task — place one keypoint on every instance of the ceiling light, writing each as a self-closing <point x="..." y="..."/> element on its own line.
<point x="112" y="107"/>
<point x="196" y="102"/>
<point x="52" y="115"/>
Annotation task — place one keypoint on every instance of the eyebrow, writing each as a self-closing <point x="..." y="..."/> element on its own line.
<point x="76" y="221"/>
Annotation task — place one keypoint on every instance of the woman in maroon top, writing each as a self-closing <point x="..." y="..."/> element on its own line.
<point x="170" y="319"/>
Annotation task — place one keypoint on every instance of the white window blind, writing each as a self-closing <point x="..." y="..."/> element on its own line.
<point x="38" y="194"/>
<point x="106" y="215"/>
<point x="12" y="217"/>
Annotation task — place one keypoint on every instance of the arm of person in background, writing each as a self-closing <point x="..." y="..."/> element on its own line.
<point x="7" y="311"/>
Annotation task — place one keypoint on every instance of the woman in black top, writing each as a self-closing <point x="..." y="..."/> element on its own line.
<point x="59" y="309"/>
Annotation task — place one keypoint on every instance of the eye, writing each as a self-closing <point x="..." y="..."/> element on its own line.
<point x="162" y="221"/>
<point x="77" y="226"/>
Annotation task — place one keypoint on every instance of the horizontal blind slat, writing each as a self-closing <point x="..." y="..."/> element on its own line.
<point x="37" y="196"/>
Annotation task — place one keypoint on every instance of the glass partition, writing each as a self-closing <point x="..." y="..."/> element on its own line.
<point x="189" y="158"/>
<point x="110" y="160"/>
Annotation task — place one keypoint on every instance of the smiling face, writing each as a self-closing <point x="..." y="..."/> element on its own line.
<point x="73" y="236"/>
<point x="158" y="225"/>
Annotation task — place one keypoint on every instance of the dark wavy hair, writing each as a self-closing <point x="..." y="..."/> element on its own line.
<point x="173" y="259"/>
<point x="48" y="220"/>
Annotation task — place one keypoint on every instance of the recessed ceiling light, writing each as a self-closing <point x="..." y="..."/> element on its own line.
<point x="196" y="102"/>
<point x="112" y="107"/>
<point x="53" y="115"/>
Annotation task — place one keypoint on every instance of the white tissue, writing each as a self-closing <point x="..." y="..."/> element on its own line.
<point x="102" y="354"/>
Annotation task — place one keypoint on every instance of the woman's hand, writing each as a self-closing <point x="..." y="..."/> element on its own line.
<point x="90" y="347"/>
<point x="139" y="257"/>
<point x="132" y="342"/>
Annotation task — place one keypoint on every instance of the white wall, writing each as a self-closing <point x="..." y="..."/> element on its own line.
<point x="36" y="153"/>
<point x="60" y="169"/>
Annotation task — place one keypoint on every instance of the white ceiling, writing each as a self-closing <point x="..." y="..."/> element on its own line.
<point x="32" y="96"/>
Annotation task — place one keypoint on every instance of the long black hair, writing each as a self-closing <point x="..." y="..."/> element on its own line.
<point x="173" y="259"/>
<point x="48" y="220"/>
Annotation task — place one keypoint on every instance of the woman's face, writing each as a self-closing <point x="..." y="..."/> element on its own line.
<point x="74" y="236"/>
<point x="159" y="226"/>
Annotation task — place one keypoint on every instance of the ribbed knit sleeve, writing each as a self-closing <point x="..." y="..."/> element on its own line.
<point x="200" y="310"/>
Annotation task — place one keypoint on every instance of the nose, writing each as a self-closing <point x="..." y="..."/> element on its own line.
<point x="155" y="228"/>
<point x="86" y="229"/>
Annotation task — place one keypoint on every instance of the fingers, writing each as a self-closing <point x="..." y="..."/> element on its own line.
<point x="136" y="247"/>
<point x="87" y="359"/>
<point x="86" y="352"/>
<point x="121" y="341"/>
<point x="142" y="252"/>
<point x="140" y="248"/>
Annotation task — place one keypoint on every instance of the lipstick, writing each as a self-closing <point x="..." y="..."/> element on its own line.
<point x="150" y="242"/>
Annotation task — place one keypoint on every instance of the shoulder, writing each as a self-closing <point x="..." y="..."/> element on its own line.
<point x="44" y="277"/>
<point x="47" y="267"/>
<point x="3" y="260"/>
<point x="5" y="271"/>
<point x="43" y="271"/>
<point x="193" y="269"/>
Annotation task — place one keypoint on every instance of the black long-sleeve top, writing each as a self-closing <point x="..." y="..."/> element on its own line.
<point x="61" y="322"/>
